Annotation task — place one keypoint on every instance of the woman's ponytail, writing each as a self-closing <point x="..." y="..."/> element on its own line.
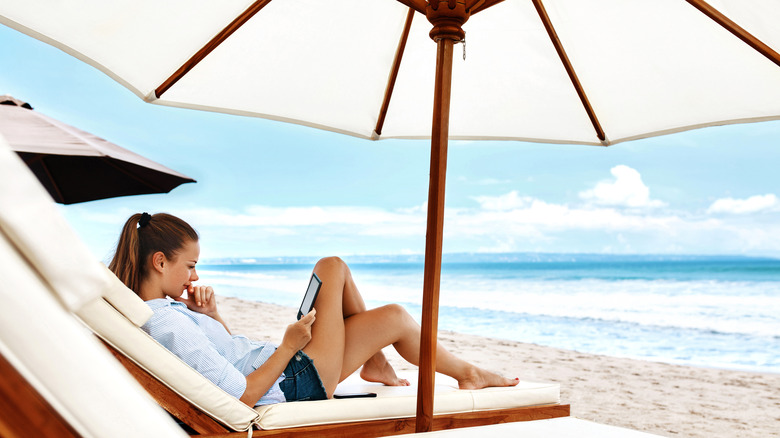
<point x="125" y="264"/>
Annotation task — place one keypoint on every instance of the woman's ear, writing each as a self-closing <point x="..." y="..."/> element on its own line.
<point x="158" y="261"/>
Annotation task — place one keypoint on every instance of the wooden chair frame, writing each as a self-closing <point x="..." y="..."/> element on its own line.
<point x="206" y="426"/>
<point x="23" y="411"/>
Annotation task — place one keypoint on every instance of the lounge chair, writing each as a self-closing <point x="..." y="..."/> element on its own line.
<point x="207" y="409"/>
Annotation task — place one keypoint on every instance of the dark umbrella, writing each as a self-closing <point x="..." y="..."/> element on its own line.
<point x="76" y="166"/>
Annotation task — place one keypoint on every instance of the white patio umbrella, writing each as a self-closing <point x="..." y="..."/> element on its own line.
<point x="592" y="72"/>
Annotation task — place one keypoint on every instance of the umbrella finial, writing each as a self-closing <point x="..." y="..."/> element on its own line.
<point x="447" y="17"/>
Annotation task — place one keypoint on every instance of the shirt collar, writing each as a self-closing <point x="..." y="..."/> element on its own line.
<point x="159" y="303"/>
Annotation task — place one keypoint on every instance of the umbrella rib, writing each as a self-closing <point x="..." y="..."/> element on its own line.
<point x="417" y="5"/>
<point x="736" y="30"/>
<point x="33" y="160"/>
<point x="210" y="46"/>
<point x="399" y="53"/>
<point x="54" y="184"/>
<point x="475" y="6"/>
<point x="147" y="183"/>
<point x="569" y="69"/>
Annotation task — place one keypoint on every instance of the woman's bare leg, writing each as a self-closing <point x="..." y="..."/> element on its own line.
<point x="345" y="336"/>
<point x="391" y="324"/>
<point x="339" y="300"/>
<point x="377" y="368"/>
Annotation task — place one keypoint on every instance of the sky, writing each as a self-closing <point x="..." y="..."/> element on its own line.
<point x="269" y="189"/>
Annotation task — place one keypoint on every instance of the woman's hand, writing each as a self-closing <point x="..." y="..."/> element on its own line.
<point x="298" y="334"/>
<point x="296" y="337"/>
<point x="200" y="299"/>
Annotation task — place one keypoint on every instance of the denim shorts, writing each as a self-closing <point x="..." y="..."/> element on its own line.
<point x="302" y="382"/>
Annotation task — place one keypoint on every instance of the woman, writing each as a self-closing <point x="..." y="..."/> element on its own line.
<point x="156" y="257"/>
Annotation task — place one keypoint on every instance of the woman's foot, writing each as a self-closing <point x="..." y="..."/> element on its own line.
<point x="377" y="369"/>
<point x="477" y="378"/>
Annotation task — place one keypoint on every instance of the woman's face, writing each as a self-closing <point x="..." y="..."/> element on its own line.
<point x="179" y="273"/>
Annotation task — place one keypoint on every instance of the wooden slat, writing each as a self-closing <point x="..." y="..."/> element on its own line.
<point x="569" y="69"/>
<point x="481" y="418"/>
<point x="172" y="402"/>
<point x="406" y="425"/>
<point x="399" y="53"/>
<point x="213" y="44"/>
<point x="736" y="30"/>
<point x="23" y="412"/>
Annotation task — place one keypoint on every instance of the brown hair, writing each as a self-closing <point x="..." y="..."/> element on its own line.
<point x="144" y="235"/>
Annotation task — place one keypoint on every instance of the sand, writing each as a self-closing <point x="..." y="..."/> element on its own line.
<point x="668" y="400"/>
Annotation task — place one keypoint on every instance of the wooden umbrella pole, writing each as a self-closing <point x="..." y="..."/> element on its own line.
<point x="434" y="235"/>
<point x="447" y="21"/>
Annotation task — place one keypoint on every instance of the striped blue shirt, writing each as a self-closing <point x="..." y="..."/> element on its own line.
<point x="204" y="344"/>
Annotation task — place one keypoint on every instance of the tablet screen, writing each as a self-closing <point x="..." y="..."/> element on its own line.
<point x="311" y="295"/>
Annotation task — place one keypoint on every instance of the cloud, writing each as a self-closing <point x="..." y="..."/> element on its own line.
<point x="292" y="217"/>
<point x="753" y="204"/>
<point x="510" y="201"/>
<point x="504" y="222"/>
<point x="627" y="190"/>
<point x="527" y="216"/>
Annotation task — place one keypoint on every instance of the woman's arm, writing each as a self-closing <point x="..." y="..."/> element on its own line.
<point x="188" y="340"/>
<point x="260" y="380"/>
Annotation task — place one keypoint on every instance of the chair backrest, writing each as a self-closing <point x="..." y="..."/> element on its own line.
<point x="116" y="319"/>
<point x="46" y="274"/>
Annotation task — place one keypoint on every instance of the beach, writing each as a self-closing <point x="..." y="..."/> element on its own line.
<point x="654" y="397"/>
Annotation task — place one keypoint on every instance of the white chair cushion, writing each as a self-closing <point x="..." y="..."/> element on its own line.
<point x="31" y="221"/>
<point x="398" y="402"/>
<point x="115" y="329"/>
<point x="125" y="300"/>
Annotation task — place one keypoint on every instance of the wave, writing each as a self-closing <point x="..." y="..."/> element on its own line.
<point x="211" y="274"/>
<point x="702" y="321"/>
<point x="730" y="307"/>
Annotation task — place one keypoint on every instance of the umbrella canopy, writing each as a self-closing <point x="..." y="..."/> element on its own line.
<point x="75" y="166"/>
<point x="644" y="67"/>
<point x="563" y="71"/>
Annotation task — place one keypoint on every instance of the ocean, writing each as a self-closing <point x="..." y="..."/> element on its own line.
<point x="721" y="312"/>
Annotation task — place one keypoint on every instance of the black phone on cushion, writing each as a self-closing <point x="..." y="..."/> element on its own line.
<point x="355" y="395"/>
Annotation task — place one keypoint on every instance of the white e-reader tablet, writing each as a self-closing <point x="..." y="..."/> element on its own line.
<point x="311" y="295"/>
